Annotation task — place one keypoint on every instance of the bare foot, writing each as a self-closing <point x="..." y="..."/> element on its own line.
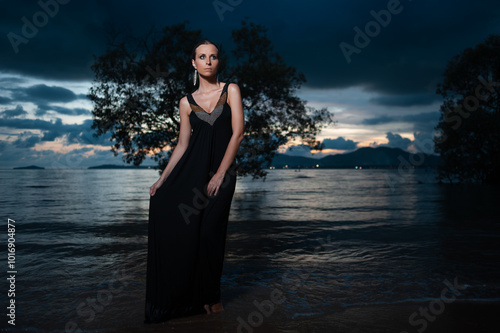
<point x="217" y="307"/>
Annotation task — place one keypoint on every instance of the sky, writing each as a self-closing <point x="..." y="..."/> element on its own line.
<point x="374" y="64"/>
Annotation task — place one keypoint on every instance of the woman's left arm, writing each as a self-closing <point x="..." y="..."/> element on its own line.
<point x="237" y="123"/>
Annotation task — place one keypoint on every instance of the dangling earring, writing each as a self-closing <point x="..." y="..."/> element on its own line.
<point x="195" y="76"/>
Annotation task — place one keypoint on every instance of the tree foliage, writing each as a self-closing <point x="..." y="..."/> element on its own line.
<point x="139" y="82"/>
<point x="468" y="132"/>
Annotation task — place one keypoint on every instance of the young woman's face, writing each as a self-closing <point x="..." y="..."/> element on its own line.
<point x="206" y="61"/>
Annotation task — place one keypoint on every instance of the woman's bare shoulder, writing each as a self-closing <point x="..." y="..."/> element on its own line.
<point x="233" y="91"/>
<point x="233" y="87"/>
<point x="184" y="104"/>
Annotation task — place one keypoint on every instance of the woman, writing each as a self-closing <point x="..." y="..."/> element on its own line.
<point x="189" y="204"/>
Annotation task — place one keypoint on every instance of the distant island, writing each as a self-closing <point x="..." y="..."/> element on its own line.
<point x="35" y="167"/>
<point x="116" y="166"/>
<point x="364" y="158"/>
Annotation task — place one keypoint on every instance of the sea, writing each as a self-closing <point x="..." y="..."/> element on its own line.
<point x="300" y="244"/>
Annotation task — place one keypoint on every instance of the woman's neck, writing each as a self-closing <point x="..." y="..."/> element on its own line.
<point x="207" y="85"/>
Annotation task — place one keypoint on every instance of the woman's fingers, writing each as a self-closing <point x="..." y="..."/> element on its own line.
<point x="209" y="189"/>
<point x="212" y="191"/>
<point x="213" y="187"/>
<point x="152" y="189"/>
<point x="216" y="189"/>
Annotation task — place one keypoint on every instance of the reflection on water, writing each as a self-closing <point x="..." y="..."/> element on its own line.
<point x="325" y="239"/>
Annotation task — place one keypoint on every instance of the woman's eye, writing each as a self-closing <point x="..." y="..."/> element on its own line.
<point x="202" y="57"/>
<point x="214" y="57"/>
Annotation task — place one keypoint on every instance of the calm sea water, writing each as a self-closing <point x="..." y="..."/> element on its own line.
<point x="317" y="240"/>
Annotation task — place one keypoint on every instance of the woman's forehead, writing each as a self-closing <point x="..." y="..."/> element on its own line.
<point x="207" y="48"/>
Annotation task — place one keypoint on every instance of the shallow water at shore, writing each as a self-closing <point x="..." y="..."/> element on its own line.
<point x="307" y="245"/>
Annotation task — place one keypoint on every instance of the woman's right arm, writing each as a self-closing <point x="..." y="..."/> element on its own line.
<point x="184" y="135"/>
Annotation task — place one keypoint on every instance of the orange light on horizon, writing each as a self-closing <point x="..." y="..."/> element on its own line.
<point x="58" y="146"/>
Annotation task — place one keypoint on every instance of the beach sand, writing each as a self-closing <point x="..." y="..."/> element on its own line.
<point x="455" y="317"/>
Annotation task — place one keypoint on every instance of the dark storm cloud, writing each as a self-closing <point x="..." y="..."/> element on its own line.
<point x="420" y="118"/>
<point x="30" y="124"/>
<point x="75" y="133"/>
<point x="5" y="100"/>
<point x="397" y="141"/>
<point x="26" y="140"/>
<point x="11" y="113"/>
<point x="340" y="143"/>
<point x="299" y="150"/>
<point x="42" y="93"/>
<point x="380" y="120"/>
<point x="62" y="48"/>
<point x="10" y="80"/>
<point x="85" y="135"/>
<point x="406" y="55"/>
<point x="406" y="100"/>
<point x="51" y="135"/>
<point x="42" y="109"/>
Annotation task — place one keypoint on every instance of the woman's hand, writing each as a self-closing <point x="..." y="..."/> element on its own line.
<point x="156" y="186"/>
<point x="215" y="183"/>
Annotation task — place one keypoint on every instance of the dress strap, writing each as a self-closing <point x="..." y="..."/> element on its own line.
<point x="191" y="99"/>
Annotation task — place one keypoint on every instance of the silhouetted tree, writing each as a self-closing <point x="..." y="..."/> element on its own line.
<point x="468" y="132"/>
<point x="139" y="82"/>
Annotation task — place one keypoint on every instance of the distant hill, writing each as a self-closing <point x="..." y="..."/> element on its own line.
<point x="35" y="167"/>
<point x="116" y="166"/>
<point x="367" y="157"/>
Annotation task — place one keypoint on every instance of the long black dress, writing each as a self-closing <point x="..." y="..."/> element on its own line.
<point x="187" y="229"/>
